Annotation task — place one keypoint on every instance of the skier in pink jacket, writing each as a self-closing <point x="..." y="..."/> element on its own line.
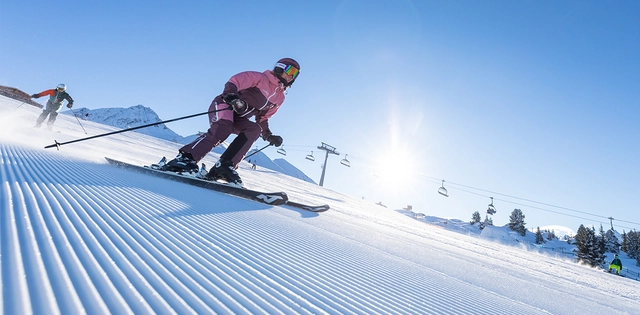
<point x="246" y="94"/>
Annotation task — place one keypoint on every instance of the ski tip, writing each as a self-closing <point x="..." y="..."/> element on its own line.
<point x="321" y="208"/>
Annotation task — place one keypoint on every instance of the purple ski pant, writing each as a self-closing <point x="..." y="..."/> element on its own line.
<point x="221" y="125"/>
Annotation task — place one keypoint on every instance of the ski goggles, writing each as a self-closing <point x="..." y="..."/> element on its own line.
<point x="289" y="70"/>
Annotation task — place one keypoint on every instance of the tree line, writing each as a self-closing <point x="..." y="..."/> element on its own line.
<point x="591" y="246"/>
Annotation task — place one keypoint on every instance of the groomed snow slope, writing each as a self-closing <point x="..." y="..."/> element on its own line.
<point x="78" y="235"/>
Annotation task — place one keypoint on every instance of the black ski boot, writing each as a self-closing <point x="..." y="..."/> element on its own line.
<point x="183" y="163"/>
<point x="225" y="171"/>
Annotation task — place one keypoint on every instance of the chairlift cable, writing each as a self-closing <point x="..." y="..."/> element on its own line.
<point x="368" y="163"/>
<point x="435" y="180"/>
<point x="300" y="146"/>
<point x="529" y="200"/>
<point x="542" y="209"/>
<point x="627" y="221"/>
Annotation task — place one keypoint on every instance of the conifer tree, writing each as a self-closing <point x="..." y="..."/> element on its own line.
<point x="475" y="218"/>
<point x="600" y="246"/>
<point x="612" y="244"/>
<point x="601" y="241"/>
<point x="633" y="244"/>
<point x="551" y="235"/>
<point x="588" y="249"/>
<point x="516" y="222"/>
<point x="487" y="221"/>
<point x="583" y="244"/>
<point x="539" y="237"/>
<point x="625" y="241"/>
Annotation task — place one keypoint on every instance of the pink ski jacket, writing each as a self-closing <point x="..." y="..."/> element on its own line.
<point x="262" y="91"/>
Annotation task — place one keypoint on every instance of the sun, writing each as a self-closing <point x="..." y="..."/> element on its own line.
<point x="396" y="168"/>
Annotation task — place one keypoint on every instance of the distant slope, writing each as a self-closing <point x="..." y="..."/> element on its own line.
<point x="292" y="171"/>
<point x="278" y="165"/>
<point x="127" y="118"/>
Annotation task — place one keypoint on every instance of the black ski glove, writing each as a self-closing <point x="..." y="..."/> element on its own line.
<point x="274" y="140"/>
<point x="35" y="96"/>
<point x="70" y="105"/>
<point x="239" y="106"/>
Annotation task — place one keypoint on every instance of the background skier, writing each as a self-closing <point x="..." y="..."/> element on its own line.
<point x="246" y="94"/>
<point x="54" y="104"/>
<point x="616" y="264"/>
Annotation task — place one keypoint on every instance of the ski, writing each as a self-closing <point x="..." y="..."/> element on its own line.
<point x="275" y="198"/>
<point x="270" y="198"/>
<point x="321" y="208"/>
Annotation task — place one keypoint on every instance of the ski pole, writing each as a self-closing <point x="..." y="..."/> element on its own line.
<point x="18" y="107"/>
<point x="74" y="114"/>
<point x="58" y="144"/>
<point x="250" y="155"/>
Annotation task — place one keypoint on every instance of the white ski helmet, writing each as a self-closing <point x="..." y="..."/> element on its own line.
<point x="61" y="87"/>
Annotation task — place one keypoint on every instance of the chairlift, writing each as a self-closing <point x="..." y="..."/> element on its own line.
<point x="491" y="209"/>
<point x="345" y="162"/>
<point x="310" y="157"/>
<point x="282" y="151"/>
<point x="442" y="190"/>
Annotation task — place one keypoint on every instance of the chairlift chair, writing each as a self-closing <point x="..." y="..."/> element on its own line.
<point x="491" y="209"/>
<point x="282" y="151"/>
<point x="442" y="190"/>
<point x="310" y="157"/>
<point x="345" y="162"/>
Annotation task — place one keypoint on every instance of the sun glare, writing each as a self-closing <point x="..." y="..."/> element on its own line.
<point x="397" y="162"/>
<point x="396" y="169"/>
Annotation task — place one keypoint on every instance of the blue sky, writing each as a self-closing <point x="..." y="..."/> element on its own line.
<point x="534" y="100"/>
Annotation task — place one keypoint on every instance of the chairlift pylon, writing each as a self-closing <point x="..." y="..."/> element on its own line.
<point x="282" y="151"/>
<point x="491" y="209"/>
<point x="345" y="162"/>
<point x="442" y="190"/>
<point x="310" y="157"/>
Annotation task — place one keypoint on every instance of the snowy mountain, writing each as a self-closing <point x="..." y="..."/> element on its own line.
<point x="125" y="118"/>
<point x="289" y="169"/>
<point x="78" y="235"/>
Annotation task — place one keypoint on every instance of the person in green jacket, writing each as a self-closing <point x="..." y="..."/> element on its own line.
<point x="615" y="264"/>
